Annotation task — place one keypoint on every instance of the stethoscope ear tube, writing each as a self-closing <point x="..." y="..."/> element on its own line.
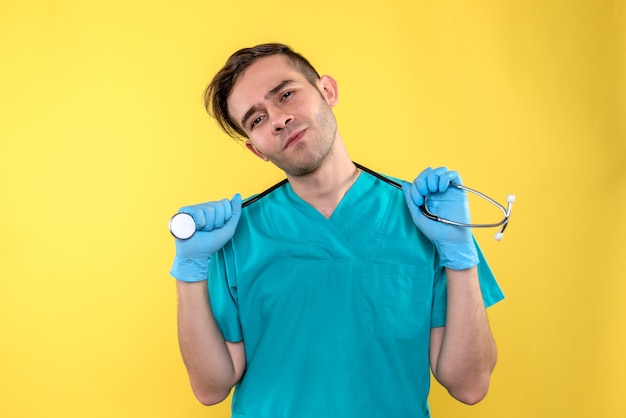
<point x="504" y="222"/>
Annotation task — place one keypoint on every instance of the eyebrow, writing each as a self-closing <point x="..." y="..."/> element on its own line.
<point x="269" y="94"/>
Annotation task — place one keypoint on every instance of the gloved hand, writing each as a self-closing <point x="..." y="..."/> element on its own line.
<point x="215" y="226"/>
<point x="454" y="244"/>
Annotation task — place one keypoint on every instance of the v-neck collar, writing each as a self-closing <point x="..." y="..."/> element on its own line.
<point x="355" y="227"/>
<point x="353" y="192"/>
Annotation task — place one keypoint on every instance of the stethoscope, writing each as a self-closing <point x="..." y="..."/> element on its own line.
<point x="183" y="226"/>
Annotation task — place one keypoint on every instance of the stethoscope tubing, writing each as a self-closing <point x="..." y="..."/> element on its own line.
<point x="504" y="222"/>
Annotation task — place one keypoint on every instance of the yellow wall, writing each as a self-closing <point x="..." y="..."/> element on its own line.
<point x="103" y="137"/>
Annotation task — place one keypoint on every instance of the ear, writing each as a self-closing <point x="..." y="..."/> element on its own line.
<point x="255" y="151"/>
<point x="328" y="87"/>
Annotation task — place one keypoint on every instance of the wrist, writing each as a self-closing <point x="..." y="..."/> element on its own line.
<point x="458" y="256"/>
<point x="190" y="269"/>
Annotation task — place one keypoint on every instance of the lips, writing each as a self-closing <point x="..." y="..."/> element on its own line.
<point x="292" y="139"/>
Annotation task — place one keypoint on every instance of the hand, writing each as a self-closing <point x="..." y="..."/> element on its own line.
<point x="216" y="223"/>
<point x="454" y="244"/>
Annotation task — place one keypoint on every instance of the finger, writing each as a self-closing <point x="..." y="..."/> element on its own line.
<point x="228" y="210"/>
<point x="220" y="212"/>
<point x="411" y="194"/>
<point x="197" y="213"/>
<point x="456" y="179"/>
<point x="446" y="179"/>
<point x="421" y="182"/>
<point x="417" y="196"/>
<point x="209" y="218"/>
<point x="434" y="179"/>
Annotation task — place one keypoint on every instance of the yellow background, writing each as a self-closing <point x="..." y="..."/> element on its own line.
<point x="103" y="137"/>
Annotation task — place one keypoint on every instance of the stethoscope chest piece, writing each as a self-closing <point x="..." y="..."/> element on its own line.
<point x="182" y="225"/>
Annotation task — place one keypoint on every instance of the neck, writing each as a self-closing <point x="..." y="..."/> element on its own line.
<point x="325" y="187"/>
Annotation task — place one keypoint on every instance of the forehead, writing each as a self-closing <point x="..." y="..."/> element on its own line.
<point x="257" y="80"/>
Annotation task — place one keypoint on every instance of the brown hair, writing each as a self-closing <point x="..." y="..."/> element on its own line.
<point x="216" y="94"/>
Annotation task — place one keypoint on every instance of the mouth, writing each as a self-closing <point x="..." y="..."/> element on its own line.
<point x="294" y="138"/>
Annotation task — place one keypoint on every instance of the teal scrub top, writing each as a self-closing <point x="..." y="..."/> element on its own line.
<point x="335" y="314"/>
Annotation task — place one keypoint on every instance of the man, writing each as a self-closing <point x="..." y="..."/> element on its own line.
<point x="331" y="295"/>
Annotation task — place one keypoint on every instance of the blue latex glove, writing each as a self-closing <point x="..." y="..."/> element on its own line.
<point x="454" y="244"/>
<point x="215" y="226"/>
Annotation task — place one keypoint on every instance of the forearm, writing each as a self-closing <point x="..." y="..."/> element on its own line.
<point x="210" y="365"/>
<point x="468" y="352"/>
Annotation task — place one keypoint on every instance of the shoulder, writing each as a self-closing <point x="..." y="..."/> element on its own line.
<point x="255" y="198"/>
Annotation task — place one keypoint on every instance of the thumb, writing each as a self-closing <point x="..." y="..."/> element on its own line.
<point x="235" y="204"/>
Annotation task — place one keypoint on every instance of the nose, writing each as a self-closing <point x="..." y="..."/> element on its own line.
<point x="280" y="120"/>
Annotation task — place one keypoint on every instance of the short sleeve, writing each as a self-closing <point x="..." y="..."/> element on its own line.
<point x="223" y="297"/>
<point x="489" y="288"/>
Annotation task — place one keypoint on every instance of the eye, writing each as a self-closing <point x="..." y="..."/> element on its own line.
<point x="287" y="95"/>
<point x="255" y="121"/>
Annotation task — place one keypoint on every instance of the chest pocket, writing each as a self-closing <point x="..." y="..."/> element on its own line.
<point x="395" y="300"/>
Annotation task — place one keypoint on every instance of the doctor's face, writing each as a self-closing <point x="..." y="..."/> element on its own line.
<point x="289" y="121"/>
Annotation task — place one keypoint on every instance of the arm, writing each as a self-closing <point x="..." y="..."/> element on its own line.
<point x="463" y="353"/>
<point x="214" y="366"/>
